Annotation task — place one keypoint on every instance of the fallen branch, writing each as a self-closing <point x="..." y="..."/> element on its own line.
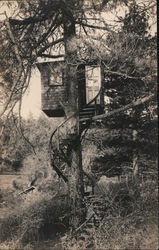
<point x="27" y="190"/>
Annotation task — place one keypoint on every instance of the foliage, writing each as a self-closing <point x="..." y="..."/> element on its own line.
<point x="129" y="219"/>
<point x="128" y="56"/>
<point x="13" y="148"/>
<point x="131" y="230"/>
<point x="29" y="215"/>
<point x="46" y="22"/>
<point x="130" y="73"/>
<point x="37" y="216"/>
<point x="24" y="140"/>
<point x="128" y="212"/>
<point x="114" y="147"/>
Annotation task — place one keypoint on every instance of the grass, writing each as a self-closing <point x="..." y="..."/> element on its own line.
<point x="129" y="220"/>
<point x="34" y="218"/>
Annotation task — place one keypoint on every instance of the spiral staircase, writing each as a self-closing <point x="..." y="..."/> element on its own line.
<point x="60" y="140"/>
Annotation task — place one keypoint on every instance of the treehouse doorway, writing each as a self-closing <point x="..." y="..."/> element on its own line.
<point x="93" y="83"/>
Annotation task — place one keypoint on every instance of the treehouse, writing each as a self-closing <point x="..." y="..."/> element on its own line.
<point x="54" y="88"/>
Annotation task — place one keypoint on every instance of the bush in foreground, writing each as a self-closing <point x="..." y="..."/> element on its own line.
<point x="38" y="216"/>
<point x="129" y="220"/>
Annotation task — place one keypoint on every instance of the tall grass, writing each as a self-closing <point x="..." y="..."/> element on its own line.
<point x="129" y="220"/>
<point x="36" y="217"/>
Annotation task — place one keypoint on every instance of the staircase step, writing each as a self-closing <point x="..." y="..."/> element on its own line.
<point x="85" y="117"/>
<point x="83" y="120"/>
<point x="89" y="108"/>
<point x="86" y="113"/>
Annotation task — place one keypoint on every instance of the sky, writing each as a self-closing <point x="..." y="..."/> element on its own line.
<point x="31" y="103"/>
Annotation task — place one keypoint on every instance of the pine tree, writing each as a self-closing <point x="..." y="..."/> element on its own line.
<point x="129" y="140"/>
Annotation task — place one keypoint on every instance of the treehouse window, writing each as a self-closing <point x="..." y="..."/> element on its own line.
<point x="56" y="75"/>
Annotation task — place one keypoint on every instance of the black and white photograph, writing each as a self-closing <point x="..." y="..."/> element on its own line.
<point x="78" y="125"/>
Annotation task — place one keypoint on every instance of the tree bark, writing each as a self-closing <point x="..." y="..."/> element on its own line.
<point x="135" y="158"/>
<point x="75" y="173"/>
<point x="75" y="183"/>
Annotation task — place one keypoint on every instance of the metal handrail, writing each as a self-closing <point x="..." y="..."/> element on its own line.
<point x="58" y="130"/>
<point x="60" y="125"/>
<point x="63" y="122"/>
<point x="93" y="99"/>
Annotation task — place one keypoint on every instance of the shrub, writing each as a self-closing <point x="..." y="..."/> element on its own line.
<point x="129" y="219"/>
<point x="37" y="216"/>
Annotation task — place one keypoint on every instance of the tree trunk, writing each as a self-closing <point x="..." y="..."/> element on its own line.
<point x="75" y="182"/>
<point x="75" y="174"/>
<point x="135" y="158"/>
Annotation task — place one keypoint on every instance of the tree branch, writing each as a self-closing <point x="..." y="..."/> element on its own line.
<point x="52" y="28"/>
<point x="52" y="56"/>
<point x="117" y="111"/>
<point x="27" y="21"/>
<point x="123" y="75"/>
<point x="50" y="45"/>
<point x="20" y="68"/>
<point x="92" y="26"/>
